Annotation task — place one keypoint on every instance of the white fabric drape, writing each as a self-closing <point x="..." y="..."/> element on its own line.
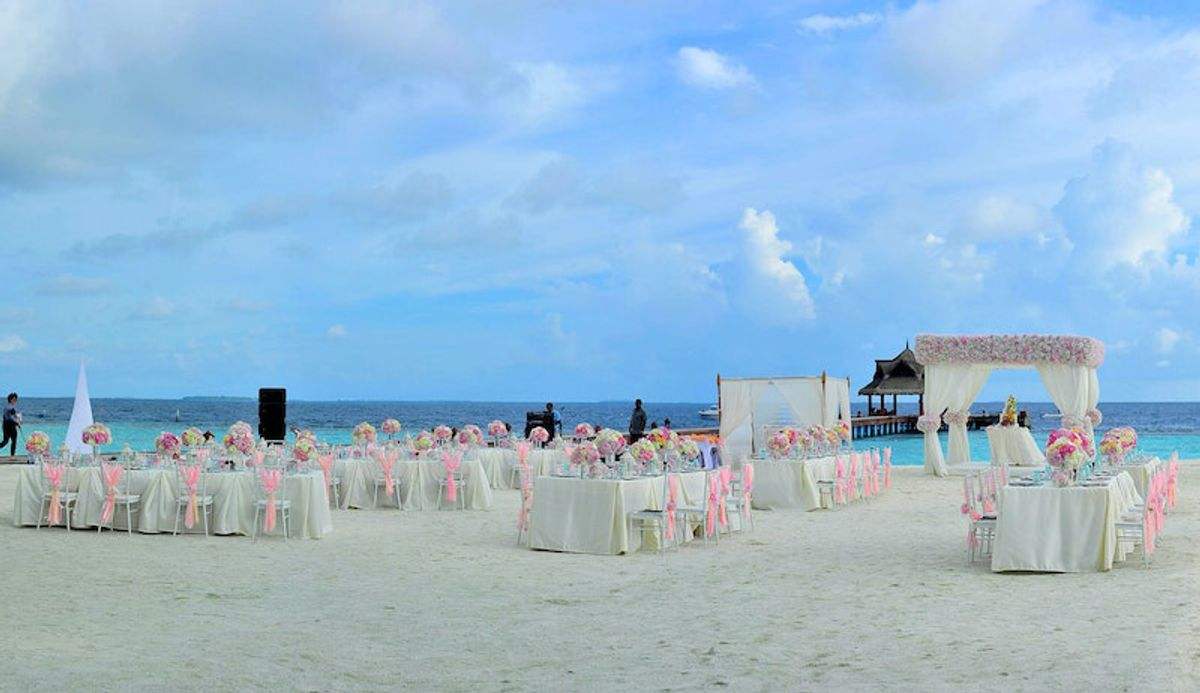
<point x="939" y="388"/>
<point x="837" y="402"/>
<point x="803" y="397"/>
<point x="737" y="407"/>
<point x="966" y="385"/>
<point x="1070" y="390"/>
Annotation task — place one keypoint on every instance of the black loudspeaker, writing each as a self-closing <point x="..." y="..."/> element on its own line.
<point x="272" y="413"/>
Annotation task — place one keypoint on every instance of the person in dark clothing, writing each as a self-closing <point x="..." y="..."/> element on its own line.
<point x="555" y="419"/>
<point x="12" y="422"/>
<point x="637" y="422"/>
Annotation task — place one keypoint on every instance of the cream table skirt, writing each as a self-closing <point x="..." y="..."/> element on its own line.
<point x="592" y="515"/>
<point x="233" y="495"/>
<point x="1061" y="530"/>
<point x="419" y="482"/>
<point x="1141" y="474"/>
<point x="791" y="483"/>
<point x="1014" y="446"/>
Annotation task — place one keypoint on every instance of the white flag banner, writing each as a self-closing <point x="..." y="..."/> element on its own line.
<point x="81" y="415"/>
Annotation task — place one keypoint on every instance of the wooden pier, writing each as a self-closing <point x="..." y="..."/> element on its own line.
<point x="875" y="426"/>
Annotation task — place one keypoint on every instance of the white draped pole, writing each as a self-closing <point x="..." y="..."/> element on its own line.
<point x="81" y="415"/>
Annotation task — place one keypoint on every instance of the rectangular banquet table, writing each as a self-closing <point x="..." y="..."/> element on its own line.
<point x="1061" y="530"/>
<point x="233" y="501"/>
<point x="419" y="480"/>
<point x="791" y="483"/>
<point x="1013" y="446"/>
<point x="1141" y="473"/>
<point x="591" y="515"/>
<point x="498" y="463"/>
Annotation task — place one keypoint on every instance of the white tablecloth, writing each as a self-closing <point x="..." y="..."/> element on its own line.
<point x="1141" y="474"/>
<point x="1014" y="446"/>
<point x="791" y="483"/>
<point x="591" y="515"/>
<point x="419" y="482"/>
<point x="1061" y="530"/>
<point x="233" y="501"/>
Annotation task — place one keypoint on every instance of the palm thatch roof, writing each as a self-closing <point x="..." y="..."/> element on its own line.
<point x="901" y="375"/>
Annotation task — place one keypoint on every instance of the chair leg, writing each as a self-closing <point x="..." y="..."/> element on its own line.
<point x="67" y="515"/>
<point x="254" y="527"/>
<point x="175" y="530"/>
<point x="43" y="511"/>
<point x="206" y="510"/>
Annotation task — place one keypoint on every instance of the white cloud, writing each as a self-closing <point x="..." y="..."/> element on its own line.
<point x="336" y="331"/>
<point x="1166" y="340"/>
<point x="12" y="344"/>
<point x="934" y="240"/>
<point x="72" y="285"/>
<point x="545" y="91"/>
<point x="776" y="283"/>
<point x="157" y="308"/>
<point x="709" y="69"/>
<point x="825" y="24"/>
<point x="1121" y="211"/>
<point x="1002" y="216"/>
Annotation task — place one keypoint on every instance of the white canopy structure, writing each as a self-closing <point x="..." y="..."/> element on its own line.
<point x="957" y="366"/>
<point x="81" y="415"/>
<point x="749" y="406"/>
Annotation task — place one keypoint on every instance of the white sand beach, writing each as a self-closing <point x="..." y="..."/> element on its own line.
<point x="874" y="596"/>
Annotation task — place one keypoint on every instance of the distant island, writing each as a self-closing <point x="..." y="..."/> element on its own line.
<point x="222" y="398"/>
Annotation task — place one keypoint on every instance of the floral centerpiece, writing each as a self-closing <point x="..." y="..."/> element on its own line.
<point x="167" y="443"/>
<point x="306" y="434"/>
<point x="779" y="444"/>
<point x="659" y="436"/>
<point x="363" y="434"/>
<point x="96" y="435"/>
<point x="584" y="430"/>
<point x="192" y="437"/>
<point x="476" y="433"/>
<point x="390" y="427"/>
<point x="609" y="442"/>
<point x="1067" y="450"/>
<point x="239" y="439"/>
<point x="1117" y="443"/>
<point x="423" y="442"/>
<point x="37" y="444"/>
<point x="304" y="450"/>
<point x="688" y="449"/>
<point x="539" y="435"/>
<point x="585" y="456"/>
<point x="442" y="433"/>
<point x="497" y="429"/>
<point x="642" y="453"/>
<point x="1009" y="416"/>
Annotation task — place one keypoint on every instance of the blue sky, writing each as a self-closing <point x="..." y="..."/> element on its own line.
<point x="523" y="201"/>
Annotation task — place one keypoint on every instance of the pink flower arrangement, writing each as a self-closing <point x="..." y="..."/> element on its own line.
<point x="304" y="449"/>
<point x="167" y="443"/>
<point x="585" y="453"/>
<point x="610" y="442"/>
<point x="688" y="449"/>
<point x="659" y="437"/>
<point x="476" y="433"/>
<point x="96" y="435"/>
<point x="642" y="451"/>
<point x="497" y="429"/>
<point x="423" y="442"/>
<point x="1068" y="449"/>
<point x="584" y="430"/>
<point x="843" y="429"/>
<point x="442" y="433"/>
<point x="306" y="435"/>
<point x="363" y="434"/>
<point x="390" y="427"/>
<point x="779" y="444"/>
<point x="1117" y="443"/>
<point x="38" y="443"/>
<point x="239" y="438"/>
<point x="1021" y="349"/>
<point x="539" y="434"/>
<point x="192" y="437"/>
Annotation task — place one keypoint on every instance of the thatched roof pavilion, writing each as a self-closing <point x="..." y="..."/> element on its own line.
<point x="902" y="375"/>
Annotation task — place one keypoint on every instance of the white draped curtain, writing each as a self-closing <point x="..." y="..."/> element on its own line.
<point x="737" y="408"/>
<point x="806" y="401"/>
<point x="1071" y="389"/>
<point x="952" y="387"/>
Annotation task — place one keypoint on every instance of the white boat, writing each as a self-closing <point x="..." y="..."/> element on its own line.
<point x="710" y="413"/>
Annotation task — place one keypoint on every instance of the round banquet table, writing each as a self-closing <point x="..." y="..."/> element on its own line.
<point x="233" y="495"/>
<point x="419" y="481"/>
<point x="1013" y="446"/>
<point x="592" y="515"/>
<point x="790" y="483"/>
<point x="1061" y="530"/>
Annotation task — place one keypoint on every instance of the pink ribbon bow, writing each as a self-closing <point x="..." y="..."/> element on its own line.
<point x="270" y="481"/>
<point x="54" y="475"/>
<point x="326" y="462"/>
<point x="386" y="461"/>
<point x="672" y="503"/>
<point x="714" y="492"/>
<point x="190" y="476"/>
<point x="839" y="486"/>
<point x="747" y="481"/>
<point x="725" y="474"/>
<point x="451" y="463"/>
<point x="887" y="467"/>
<point x="111" y="474"/>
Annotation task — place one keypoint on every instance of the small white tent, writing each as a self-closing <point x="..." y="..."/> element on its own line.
<point x="750" y="405"/>
<point x="81" y="415"/>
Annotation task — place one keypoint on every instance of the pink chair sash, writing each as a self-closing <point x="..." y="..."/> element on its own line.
<point x="714" y="495"/>
<point x="54" y="476"/>
<point x="672" y="503"/>
<point x="887" y="467"/>
<point x="111" y="475"/>
<point x="190" y="475"/>
<point x="258" y="457"/>
<point x="725" y="474"/>
<point x="451" y="463"/>
<point x="747" y="483"/>
<point x="839" y="486"/>
<point x="326" y="462"/>
<point x="387" y="462"/>
<point x="271" y="479"/>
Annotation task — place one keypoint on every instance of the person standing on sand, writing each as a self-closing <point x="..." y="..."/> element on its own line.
<point x="637" y="422"/>
<point x="12" y="422"/>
